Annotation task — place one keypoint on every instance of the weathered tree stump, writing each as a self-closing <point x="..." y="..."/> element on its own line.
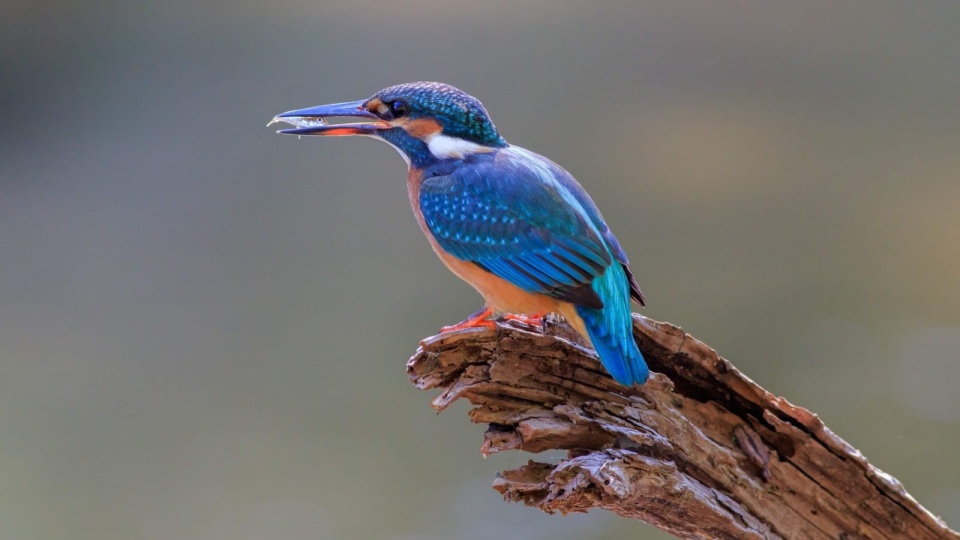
<point x="700" y="451"/>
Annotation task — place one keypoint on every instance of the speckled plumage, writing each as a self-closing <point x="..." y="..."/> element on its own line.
<point x="491" y="212"/>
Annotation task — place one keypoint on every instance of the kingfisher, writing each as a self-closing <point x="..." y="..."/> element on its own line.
<point x="511" y="223"/>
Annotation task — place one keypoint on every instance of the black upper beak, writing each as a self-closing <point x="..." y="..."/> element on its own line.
<point x="312" y="120"/>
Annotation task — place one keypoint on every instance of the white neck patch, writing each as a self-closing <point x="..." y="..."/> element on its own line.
<point x="445" y="147"/>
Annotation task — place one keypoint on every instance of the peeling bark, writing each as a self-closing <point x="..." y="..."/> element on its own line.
<point x="700" y="451"/>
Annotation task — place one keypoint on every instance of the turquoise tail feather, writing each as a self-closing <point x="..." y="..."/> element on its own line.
<point x="611" y="328"/>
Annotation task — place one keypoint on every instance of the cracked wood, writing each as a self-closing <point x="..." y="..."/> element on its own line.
<point x="700" y="451"/>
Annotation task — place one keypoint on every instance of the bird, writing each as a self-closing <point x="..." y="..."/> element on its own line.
<point x="513" y="224"/>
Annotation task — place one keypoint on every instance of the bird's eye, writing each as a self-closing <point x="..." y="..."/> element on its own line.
<point x="398" y="108"/>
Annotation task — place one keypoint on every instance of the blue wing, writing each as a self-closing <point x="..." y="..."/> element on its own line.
<point x="514" y="219"/>
<point x="593" y="214"/>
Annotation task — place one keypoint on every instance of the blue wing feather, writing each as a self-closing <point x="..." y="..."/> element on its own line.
<point x="513" y="221"/>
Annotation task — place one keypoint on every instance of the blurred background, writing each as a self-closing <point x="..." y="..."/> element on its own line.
<point x="204" y="325"/>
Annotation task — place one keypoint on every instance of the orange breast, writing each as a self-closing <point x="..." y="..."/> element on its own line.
<point x="498" y="293"/>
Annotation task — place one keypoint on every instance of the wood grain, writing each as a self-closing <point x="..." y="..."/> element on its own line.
<point x="700" y="451"/>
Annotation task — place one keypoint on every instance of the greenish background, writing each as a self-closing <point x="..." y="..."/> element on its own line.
<point x="203" y="325"/>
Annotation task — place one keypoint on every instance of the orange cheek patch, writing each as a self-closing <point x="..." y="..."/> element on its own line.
<point x="422" y="127"/>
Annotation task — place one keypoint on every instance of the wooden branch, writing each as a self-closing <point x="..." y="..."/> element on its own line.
<point x="700" y="451"/>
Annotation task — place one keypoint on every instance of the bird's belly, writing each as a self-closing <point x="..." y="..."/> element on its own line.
<point x="504" y="297"/>
<point x="499" y="294"/>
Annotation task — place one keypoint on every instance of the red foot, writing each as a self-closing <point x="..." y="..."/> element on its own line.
<point x="480" y="319"/>
<point x="532" y="320"/>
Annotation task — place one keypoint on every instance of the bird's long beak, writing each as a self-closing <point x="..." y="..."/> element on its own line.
<point x="313" y="120"/>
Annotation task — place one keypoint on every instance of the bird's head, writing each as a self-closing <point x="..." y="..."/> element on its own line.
<point x="425" y="121"/>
